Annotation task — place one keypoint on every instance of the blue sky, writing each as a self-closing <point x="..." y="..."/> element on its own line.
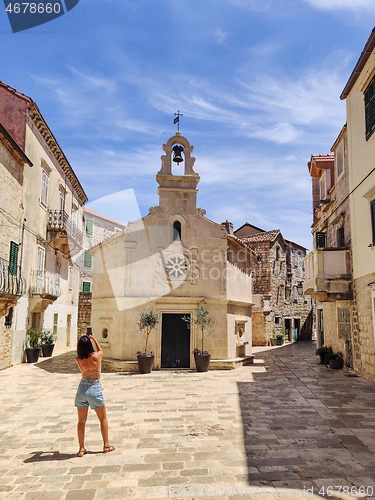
<point x="258" y="83"/>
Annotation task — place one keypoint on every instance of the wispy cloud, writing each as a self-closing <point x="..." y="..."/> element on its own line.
<point x="352" y="5"/>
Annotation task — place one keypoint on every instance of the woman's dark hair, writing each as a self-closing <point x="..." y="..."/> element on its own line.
<point x="84" y="347"/>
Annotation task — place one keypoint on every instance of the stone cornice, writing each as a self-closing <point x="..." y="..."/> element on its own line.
<point x="57" y="152"/>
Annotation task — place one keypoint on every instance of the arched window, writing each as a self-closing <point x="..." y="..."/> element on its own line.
<point x="177" y="230"/>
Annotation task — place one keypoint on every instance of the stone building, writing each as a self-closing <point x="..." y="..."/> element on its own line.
<point x="280" y="306"/>
<point x="13" y="163"/>
<point x="52" y="216"/>
<point x="97" y="229"/>
<point x="329" y="265"/>
<point x="343" y="277"/>
<point x="171" y="261"/>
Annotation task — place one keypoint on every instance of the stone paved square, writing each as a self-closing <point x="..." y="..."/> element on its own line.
<point x="283" y="427"/>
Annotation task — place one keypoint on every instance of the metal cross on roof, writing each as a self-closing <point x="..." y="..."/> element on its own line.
<point x="177" y="120"/>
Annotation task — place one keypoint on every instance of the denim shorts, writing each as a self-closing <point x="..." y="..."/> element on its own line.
<point x="89" y="393"/>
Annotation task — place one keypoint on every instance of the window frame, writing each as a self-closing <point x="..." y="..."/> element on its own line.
<point x="340" y="154"/>
<point x="369" y="104"/>
<point x="92" y="227"/>
<point x="86" y="283"/>
<point x="84" y="259"/>
<point x="44" y="187"/>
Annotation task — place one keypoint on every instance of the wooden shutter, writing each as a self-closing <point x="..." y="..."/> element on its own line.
<point x="88" y="259"/>
<point x="86" y="286"/>
<point x="89" y="227"/>
<point x="13" y="257"/>
<point x="370" y="108"/>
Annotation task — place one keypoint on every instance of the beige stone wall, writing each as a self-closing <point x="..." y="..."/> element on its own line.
<point x="260" y="329"/>
<point x="364" y="327"/>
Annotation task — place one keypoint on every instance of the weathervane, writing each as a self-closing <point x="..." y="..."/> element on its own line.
<point x="177" y="120"/>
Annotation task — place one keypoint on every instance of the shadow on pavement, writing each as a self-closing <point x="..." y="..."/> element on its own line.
<point x="61" y="363"/>
<point x="49" y="456"/>
<point x="287" y="427"/>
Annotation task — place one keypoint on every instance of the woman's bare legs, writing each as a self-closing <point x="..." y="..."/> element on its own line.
<point x="82" y="417"/>
<point x="102" y="416"/>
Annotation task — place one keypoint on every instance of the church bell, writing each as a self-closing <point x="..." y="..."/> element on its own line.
<point x="177" y="150"/>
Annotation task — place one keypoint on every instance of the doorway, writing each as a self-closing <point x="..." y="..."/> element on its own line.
<point x="297" y="326"/>
<point x="175" y="341"/>
<point x="320" y="327"/>
<point x="68" y="326"/>
<point x="287" y="329"/>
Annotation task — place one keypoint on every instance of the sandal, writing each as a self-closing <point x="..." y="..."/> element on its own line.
<point x="82" y="452"/>
<point x="107" y="449"/>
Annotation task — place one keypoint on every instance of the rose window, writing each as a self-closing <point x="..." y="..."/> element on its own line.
<point x="176" y="267"/>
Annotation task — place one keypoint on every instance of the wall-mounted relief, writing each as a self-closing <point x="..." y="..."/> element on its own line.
<point x="239" y="330"/>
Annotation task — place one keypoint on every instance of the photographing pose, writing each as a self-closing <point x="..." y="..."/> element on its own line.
<point x="89" y="390"/>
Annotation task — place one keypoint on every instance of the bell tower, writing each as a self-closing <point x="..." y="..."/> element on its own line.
<point x="178" y="193"/>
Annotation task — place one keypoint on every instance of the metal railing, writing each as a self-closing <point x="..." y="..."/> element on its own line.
<point x="45" y="284"/>
<point x="11" y="283"/>
<point x="59" y="220"/>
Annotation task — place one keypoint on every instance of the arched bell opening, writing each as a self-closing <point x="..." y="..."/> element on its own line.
<point x="178" y="159"/>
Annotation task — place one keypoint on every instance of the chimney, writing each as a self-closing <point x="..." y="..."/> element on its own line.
<point x="228" y="226"/>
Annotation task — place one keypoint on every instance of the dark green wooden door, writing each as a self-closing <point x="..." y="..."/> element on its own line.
<point x="175" y="341"/>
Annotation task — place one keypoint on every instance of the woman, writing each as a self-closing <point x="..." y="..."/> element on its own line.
<point x="90" y="390"/>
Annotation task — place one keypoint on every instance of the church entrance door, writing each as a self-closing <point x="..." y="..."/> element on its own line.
<point x="175" y="341"/>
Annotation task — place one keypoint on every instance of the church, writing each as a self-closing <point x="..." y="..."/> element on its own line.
<point x="171" y="261"/>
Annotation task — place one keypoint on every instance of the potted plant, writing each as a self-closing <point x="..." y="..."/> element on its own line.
<point x="279" y="339"/>
<point x="324" y="352"/>
<point x="336" y="360"/>
<point x="147" y="322"/>
<point x="204" y="321"/>
<point x="48" y="343"/>
<point x="33" y="345"/>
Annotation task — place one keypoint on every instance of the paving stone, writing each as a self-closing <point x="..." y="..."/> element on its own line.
<point x="284" y="422"/>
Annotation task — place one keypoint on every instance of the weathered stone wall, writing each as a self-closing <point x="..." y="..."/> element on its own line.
<point x="84" y="313"/>
<point x="363" y="328"/>
<point x="5" y="345"/>
<point x="259" y="329"/>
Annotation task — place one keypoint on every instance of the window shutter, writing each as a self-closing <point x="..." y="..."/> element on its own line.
<point x="88" y="259"/>
<point x="13" y="257"/>
<point x="320" y="239"/>
<point x="89" y="227"/>
<point x="373" y="221"/>
<point x="86" y="286"/>
<point x="370" y="108"/>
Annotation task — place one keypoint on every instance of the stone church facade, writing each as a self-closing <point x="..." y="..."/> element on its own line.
<point x="173" y="260"/>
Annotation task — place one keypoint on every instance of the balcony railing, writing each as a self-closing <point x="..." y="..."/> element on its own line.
<point x="45" y="284"/>
<point x="328" y="274"/>
<point x="11" y="283"/>
<point x="58" y="220"/>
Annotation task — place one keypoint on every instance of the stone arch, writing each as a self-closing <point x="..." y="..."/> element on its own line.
<point x="166" y="160"/>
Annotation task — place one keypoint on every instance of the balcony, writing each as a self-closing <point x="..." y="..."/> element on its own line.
<point x="46" y="285"/>
<point x="328" y="274"/>
<point x="63" y="234"/>
<point x="12" y="286"/>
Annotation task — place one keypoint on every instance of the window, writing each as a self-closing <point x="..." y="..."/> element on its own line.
<point x="62" y="201"/>
<point x="75" y="215"/>
<point x="44" y="191"/>
<point x="41" y="259"/>
<point x="13" y="257"/>
<point x="8" y="318"/>
<point x="55" y="324"/>
<point x="325" y="184"/>
<point x="370" y="108"/>
<point x="372" y="207"/>
<point x="340" y="237"/>
<point x="277" y="320"/>
<point x="70" y="277"/>
<point x="287" y="293"/>
<point x="277" y="253"/>
<point x="177" y="230"/>
<point x="88" y="259"/>
<point x="320" y="239"/>
<point x="86" y="286"/>
<point x="89" y="227"/>
<point x="339" y="161"/>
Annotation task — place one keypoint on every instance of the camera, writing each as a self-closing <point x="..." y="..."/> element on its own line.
<point x="89" y="330"/>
